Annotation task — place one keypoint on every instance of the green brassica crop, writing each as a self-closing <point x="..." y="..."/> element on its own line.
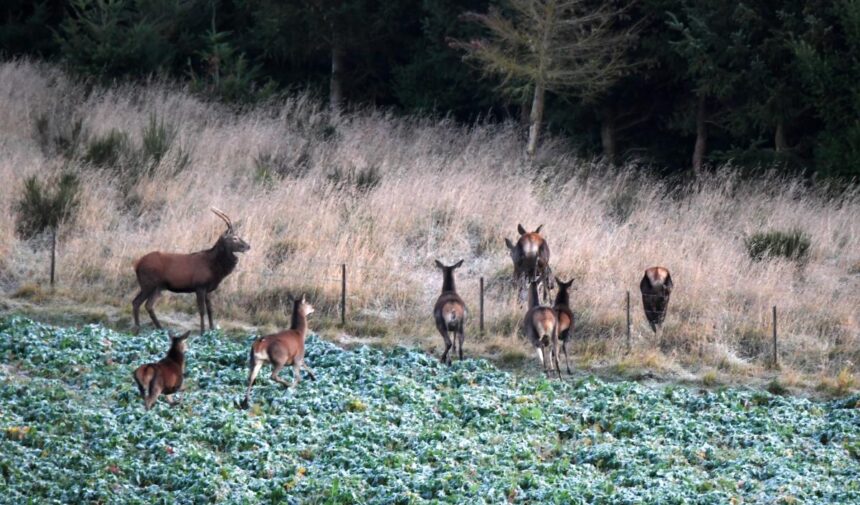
<point x="393" y="427"/>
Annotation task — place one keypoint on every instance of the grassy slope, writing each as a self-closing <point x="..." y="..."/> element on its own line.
<point x="394" y="427"/>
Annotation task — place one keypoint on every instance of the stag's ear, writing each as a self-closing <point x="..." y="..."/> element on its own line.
<point x="184" y="335"/>
<point x="509" y="243"/>
<point x="521" y="229"/>
<point x="457" y="264"/>
<point x="538" y="229"/>
<point x="439" y="264"/>
<point x="303" y="298"/>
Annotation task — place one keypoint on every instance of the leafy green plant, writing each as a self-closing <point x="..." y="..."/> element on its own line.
<point x="43" y="209"/>
<point x="792" y="244"/>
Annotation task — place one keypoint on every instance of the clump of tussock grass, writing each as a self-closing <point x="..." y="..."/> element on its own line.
<point x="387" y="195"/>
<point x="792" y="245"/>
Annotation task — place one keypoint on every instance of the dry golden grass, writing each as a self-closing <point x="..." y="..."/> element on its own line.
<point x="388" y="195"/>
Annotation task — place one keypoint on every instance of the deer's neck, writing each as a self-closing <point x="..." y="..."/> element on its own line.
<point x="299" y="322"/>
<point x="533" y="296"/>
<point x="448" y="282"/>
<point x="562" y="298"/>
<point x="176" y="356"/>
<point x="224" y="261"/>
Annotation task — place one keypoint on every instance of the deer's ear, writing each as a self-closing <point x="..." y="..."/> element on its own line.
<point x="185" y="335"/>
<point x="509" y="243"/>
<point x="439" y="264"/>
<point x="303" y="298"/>
<point x="538" y="229"/>
<point x="521" y="229"/>
<point x="457" y="264"/>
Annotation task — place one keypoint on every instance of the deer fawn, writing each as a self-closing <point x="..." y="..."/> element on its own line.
<point x="165" y="376"/>
<point x="531" y="261"/>
<point x="541" y="328"/>
<point x="450" y="312"/>
<point x="656" y="287"/>
<point x="199" y="273"/>
<point x="280" y="349"/>
<point x="565" y="316"/>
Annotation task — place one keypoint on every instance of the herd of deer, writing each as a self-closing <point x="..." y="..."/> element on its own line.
<point x="201" y="273"/>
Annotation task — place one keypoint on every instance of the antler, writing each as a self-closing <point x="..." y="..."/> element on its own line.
<point x="225" y="217"/>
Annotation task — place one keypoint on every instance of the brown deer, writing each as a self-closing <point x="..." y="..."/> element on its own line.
<point x="565" y="316"/>
<point x="450" y="312"/>
<point x="281" y="349"/>
<point x="200" y="273"/>
<point x="541" y="328"/>
<point x="656" y="287"/>
<point x="165" y="376"/>
<point x="531" y="261"/>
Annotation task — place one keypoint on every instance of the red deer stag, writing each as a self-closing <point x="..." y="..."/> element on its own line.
<point x="280" y="349"/>
<point x="541" y="328"/>
<point x="656" y="287"/>
<point x="565" y="316"/>
<point x="531" y="261"/>
<point x="450" y="312"/>
<point x="200" y="272"/>
<point x="165" y="376"/>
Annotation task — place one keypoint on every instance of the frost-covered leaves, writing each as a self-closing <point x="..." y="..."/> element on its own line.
<point x="393" y="427"/>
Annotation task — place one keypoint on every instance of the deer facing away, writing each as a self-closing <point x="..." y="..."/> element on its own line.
<point x="565" y="316"/>
<point x="541" y="328"/>
<point x="530" y="256"/>
<point x="281" y="349"/>
<point x="200" y="273"/>
<point x="450" y="313"/>
<point x="164" y="376"/>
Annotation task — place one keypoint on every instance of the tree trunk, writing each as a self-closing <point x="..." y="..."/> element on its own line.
<point x="536" y="119"/>
<point x="335" y="96"/>
<point x="525" y="113"/>
<point x="53" y="253"/>
<point x="701" y="135"/>
<point x="779" y="142"/>
<point x="608" y="135"/>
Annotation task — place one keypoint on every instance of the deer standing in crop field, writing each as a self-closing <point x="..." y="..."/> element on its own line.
<point x="281" y="349"/>
<point x="165" y="376"/>
<point x="531" y="261"/>
<point x="450" y="313"/>
<point x="541" y="328"/>
<point x="565" y="316"/>
<point x="656" y="287"/>
<point x="200" y="273"/>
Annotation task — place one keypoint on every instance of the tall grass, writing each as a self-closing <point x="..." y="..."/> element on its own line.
<point x="386" y="195"/>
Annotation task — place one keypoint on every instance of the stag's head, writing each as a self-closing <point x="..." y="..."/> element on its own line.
<point x="230" y="239"/>
<point x="564" y="286"/>
<point x="179" y="343"/>
<point x="448" y="268"/>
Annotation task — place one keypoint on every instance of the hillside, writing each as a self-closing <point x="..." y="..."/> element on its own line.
<point x="386" y="195"/>
<point x="394" y="427"/>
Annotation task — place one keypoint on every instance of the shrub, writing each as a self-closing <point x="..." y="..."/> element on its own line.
<point x="362" y="179"/>
<point x="108" y="150"/>
<point x="792" y="245"/>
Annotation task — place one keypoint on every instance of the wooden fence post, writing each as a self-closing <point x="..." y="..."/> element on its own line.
<point x="628" y="321"/>
<point x="482" y="307"/>
<point x="775" y="350"/>
<point x="343" y="294"/>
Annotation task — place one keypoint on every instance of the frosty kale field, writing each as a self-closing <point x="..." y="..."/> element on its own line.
<point x="393" y="427"/>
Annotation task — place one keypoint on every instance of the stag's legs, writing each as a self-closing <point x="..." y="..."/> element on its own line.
<point x="209" y="311"/>
<point x="135" y="308"/>
<point x="171" y="401"/>
<point x="546" y="360"/>
<point x="150" y="306"/>
<point x="555" y="355"/>
<point x="201" y="308"/>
